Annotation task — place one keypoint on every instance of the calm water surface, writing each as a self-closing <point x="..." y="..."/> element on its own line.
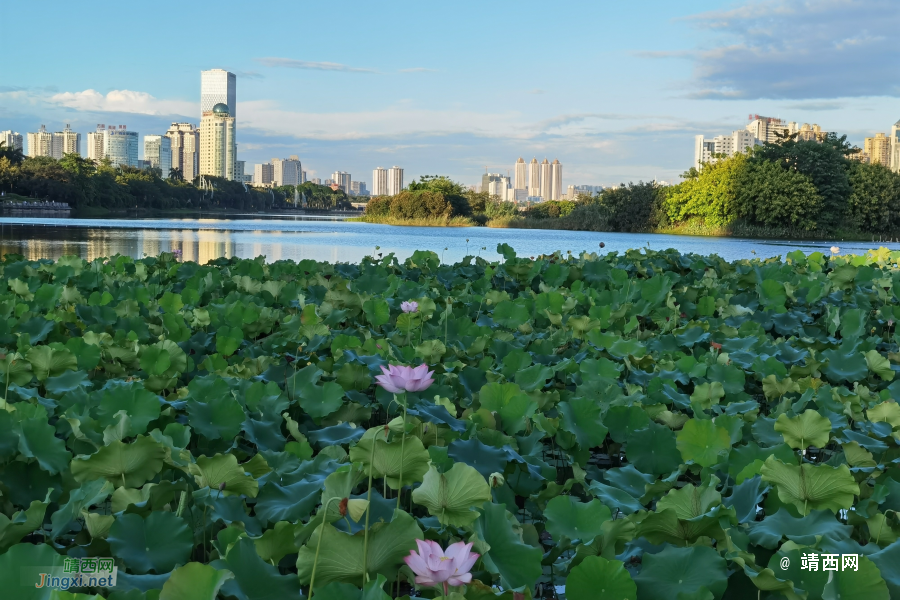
<point x="293" y="237"/>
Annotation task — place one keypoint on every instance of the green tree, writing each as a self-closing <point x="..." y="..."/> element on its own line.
<point x="770" y="195"/>
<point x="709" y="197"/>
<point x="875" y="200"/>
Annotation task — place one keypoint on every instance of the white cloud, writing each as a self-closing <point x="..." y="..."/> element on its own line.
<point x="291" y="63"/>
<point x="124" y="101"/>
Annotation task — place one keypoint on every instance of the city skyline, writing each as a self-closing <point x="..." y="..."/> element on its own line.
<point x="618" y="107"/>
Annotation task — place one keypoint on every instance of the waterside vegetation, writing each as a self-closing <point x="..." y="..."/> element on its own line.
<point x="637" y="426"/>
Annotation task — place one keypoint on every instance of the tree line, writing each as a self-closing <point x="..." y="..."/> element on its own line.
<point x="84" y="183"/>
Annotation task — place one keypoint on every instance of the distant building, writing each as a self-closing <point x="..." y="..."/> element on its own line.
<point x="729" y="145"/>
<point x="95" y="143"/>
<point x="67" y="142"/>
<point x="555" y="180"/>
<point x="239" y="166"/>
<point x="218" y="86"/>
<point x="498" y="187"/>
<point x="120" y="146"/>
<point x="487" y="179"/>
<point x="342" y="179"/>
<point x="379" y="182"/>
<point x="520" y="181"/>
<point x="546" y="180"/>
<point x="534" y="179"/>
<point x="395" y="180"/>
<point x="218" y="147"/>
<point x="878" y="149"/>
<point x="185" y="140"/>
<point x="11" y="140"/>
<point x="40" y="143"/>
<point x="358" y="188"/>
<point x="263" y="174"/>
<point x="895" y="147"/>
<point x="286" y="171"/>
<point x="158" y="152"/>
<point x="316" y="181"/>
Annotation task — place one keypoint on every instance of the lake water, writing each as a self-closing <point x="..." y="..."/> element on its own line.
<point x="326" y="239"/>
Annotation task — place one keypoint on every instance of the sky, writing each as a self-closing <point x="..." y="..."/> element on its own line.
<point x="615" y="90"/>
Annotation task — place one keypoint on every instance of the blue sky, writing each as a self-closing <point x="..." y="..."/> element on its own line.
<point x="614" y="90"/>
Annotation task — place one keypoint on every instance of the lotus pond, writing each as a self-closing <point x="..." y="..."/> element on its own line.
<point x="647" y="425"/>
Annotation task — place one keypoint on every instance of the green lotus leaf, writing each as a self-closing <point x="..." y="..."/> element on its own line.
<point x="215" y="470"/>
<point x="341" y="555"/>
<point x="220" y="417"/>
<point x="566" y="516"/>
<point x="510" y="315"/>
<point x="804" y="430"/>
<point x="15" y="370"/>
<point x="888" y="411"/>
<point x="320" y="400"/>
<point x="676" y="571"/>
<point x="373" y="590"/>
<point x="599" y="579"/>
<point x="513" y="406"/>
<point x="623" y="420"/>
<point x="453" y="496"/>
<point x="517" y="563"/>
<point x="745" y="498"/>
<point x="37" y="440"/>
<point x="50" y="362"/>
<point x="155" y="361"/>
<point x="89" y="494"/>
<point x="292" y="502"/>
<point x="653" y="450"/>
<point x="888" y="563"/>
<point x="254" y="578"/>
<point x="703" y="442"/>
<point x="863" y="583"/>
<point x="195" y="581"/>
<point x="473" y="452"/>
<point x="353" y="376"/>
<point x="141" y="406"/>
<point x="845" y="364"/>
<point x="615" y="498"/>
<point x="408" y="456"/>
<point x="377" y="311"/>
<point x="67" y="382"/>
<point x="276" y="543"/>
<point x="534" y="377"/>
<point x="609" y="544"/>
<point x="582" y="417"/>
<point x="685" y="514"/>
<point x="879" y="365"/>
<point x="23" y="522"/>
<point x="130" y="465"/>
<point x="818" y="523"/>
<point x="705" y="395"/>
<point x="20" y="569"/>
<point x="228" y="340"/>
<point x="158" y="543"/>
<point x="811" y="487"/>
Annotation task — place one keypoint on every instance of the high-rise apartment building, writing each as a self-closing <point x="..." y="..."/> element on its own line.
<point x="895" y="147"/>
<point x="66" y="142"/>
<point x="158" y="153"/>
<point x="262" y="174"/>
<point x="185" y="139"/>
<point x="489" y="178"/>
<point x="95" y="141"/>
<point x="771" y="129"/>
<point x="379" y="182"/>
<point x="358" y="188"/>
<point x="40" y="143"/>
<point x="218" y="147"/>
<point x="878" y="149"/>
<point x="534" y="179"/>
<point x="316" y="181"/>
<point x="521" y="177"/>
<point x="11" y="140"/>
<point x="395" y="180"/>
<point x="286" y="171"/>
<point x="342" y="179"/>
<point x="555" y="180"/>
<point x="498" y="186"/>
<point x="218" y="86"/>
<point x="546" y="180"/>
<point x="120" y="146"/>
<point x="705" y="150"/>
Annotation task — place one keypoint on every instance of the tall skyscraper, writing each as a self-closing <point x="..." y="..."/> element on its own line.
<point x="895" y="147"/>
<point x="555" y="180"/>
<point x="342" y="179"/>
<point x="262" y="174"/>
<point x="379" y="182"/>
<point x="11" y="139"/>
<point x="546" y="180"/>
<point x="185" y="149"/>
<point x="534" y="183"/>
<point x="218" y="86"/>
<point x="218" y="147"/>
<point x="394" y="180"/>
<point x="487" y="179"/>
<point x="158" y="152"/>
<point x="520" y="182"/>
<point x="120" y="146"/>
<point x="40" y="143"/>
<point x="286" y="171"/>
<point x="95" y="142"/>
<point x="878" y="149"/>
<point x="68" y="142"/>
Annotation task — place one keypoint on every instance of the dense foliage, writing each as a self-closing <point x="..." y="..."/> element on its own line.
<point x="642" y="426"/>
<point x="437" y="198"/>
<point x="83" y="183"/>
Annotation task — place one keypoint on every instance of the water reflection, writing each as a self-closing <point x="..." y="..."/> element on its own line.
<point x="202" y="240"/>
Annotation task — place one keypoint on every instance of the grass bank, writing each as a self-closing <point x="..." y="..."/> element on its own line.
<point x="424" y="222"/>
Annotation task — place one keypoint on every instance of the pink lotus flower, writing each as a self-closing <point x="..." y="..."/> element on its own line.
<point x="835" y="250"/>
<point x="409" y="307"/>
<point x="398" y="379"/>
<point x="433" y="566"/>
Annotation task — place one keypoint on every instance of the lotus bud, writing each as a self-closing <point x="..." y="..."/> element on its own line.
<point x="357" y="508"/>
<point x="342" y="506"/>
<point x="396" y="425"/>
<point x="222" y="487"/>
<point x="496" y="480"/>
